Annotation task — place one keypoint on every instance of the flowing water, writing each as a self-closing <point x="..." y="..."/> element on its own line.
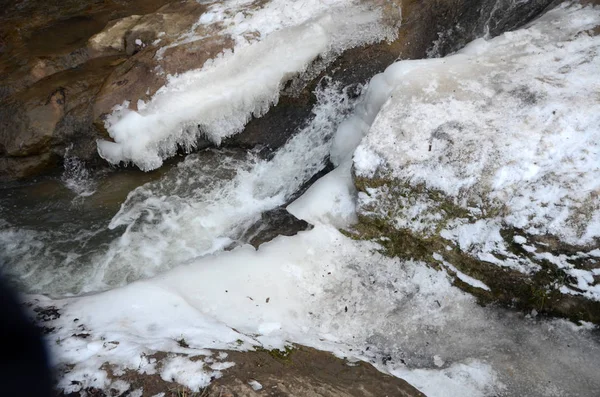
<point x="79" y="233"/>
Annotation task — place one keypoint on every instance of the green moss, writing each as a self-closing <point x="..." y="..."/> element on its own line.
<point x="281" y="355"/>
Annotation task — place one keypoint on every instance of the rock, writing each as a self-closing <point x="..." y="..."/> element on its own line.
<point x="22" y="167"/>
<point x="305" y="372"/>
<point x="112" y="38"/>
<point x="50" y="115"/>
<point x="42" y="119"/>
<point x="299" y="372"/>
<point x="136" y="78"/>
<point x="473" y="168"/>
<point x="44" y="53"/>
<point x="124" y="51"/>
<point x="274" y="223"/>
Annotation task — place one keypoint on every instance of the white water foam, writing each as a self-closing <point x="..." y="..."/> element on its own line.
<point x="76" y="176"/>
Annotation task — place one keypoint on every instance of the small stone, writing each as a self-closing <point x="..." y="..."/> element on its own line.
<point x="534" y="313"/>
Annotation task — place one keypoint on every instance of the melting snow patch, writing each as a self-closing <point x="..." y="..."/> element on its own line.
<point x="473" y="282"/>
<point x="473" y="379"/>
<point x="186" y="372"/>
<point x="137" y="393"/>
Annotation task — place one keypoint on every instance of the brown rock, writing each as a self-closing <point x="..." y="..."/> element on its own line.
<point x="145" y="72"/>
<point x="137" y="78"/>
<point x="22" y="167"/>
<point x="301" y="372"/>
<point x="44" y="61"/>
<point x="111" y="40"/>
<point x="41" y="119"/>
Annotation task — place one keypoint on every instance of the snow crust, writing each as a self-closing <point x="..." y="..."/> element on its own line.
<point x="217" y="100"/>
<point x="444" y="124"/>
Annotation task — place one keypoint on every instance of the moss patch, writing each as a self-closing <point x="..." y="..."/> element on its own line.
<point x="284" y="355"/>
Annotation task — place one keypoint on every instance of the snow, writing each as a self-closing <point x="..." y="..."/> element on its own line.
<point x="444" y="124"/>
<point x="473" y="378"/>
<point x="255" y="385"/>
<point x="326" y="291"/>
<point x="186" y="372"/>
<point x="329" y="201"/>
<point x="519" y="239"/>
<point x="482" y="240"/>
<point x="441" y="123"/>
<point x="137" y="393"/>
<point x="217" y="100"/>
<point x="461" y="276"/>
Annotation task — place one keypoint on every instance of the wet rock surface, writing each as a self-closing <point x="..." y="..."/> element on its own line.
<point x="57" y="65"/>
<point x="66" y="67"/>
<point x="277" y="222"/>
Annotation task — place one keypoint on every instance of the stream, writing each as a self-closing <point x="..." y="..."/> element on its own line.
<point x="79" y="233"/>
<point x="137" y="262"/>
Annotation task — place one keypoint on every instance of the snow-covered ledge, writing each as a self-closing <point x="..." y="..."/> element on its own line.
<point x="489" y="160"/>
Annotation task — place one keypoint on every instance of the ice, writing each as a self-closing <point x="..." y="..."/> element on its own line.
<point x="218" y="100"/>
<point x="329" y="292"/>
<point x="329" y="201"/>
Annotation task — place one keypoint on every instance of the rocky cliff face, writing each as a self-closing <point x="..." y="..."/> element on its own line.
<point x="66" y="67"/>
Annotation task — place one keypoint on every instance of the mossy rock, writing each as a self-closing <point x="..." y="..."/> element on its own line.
<point x="539" y="290"/>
